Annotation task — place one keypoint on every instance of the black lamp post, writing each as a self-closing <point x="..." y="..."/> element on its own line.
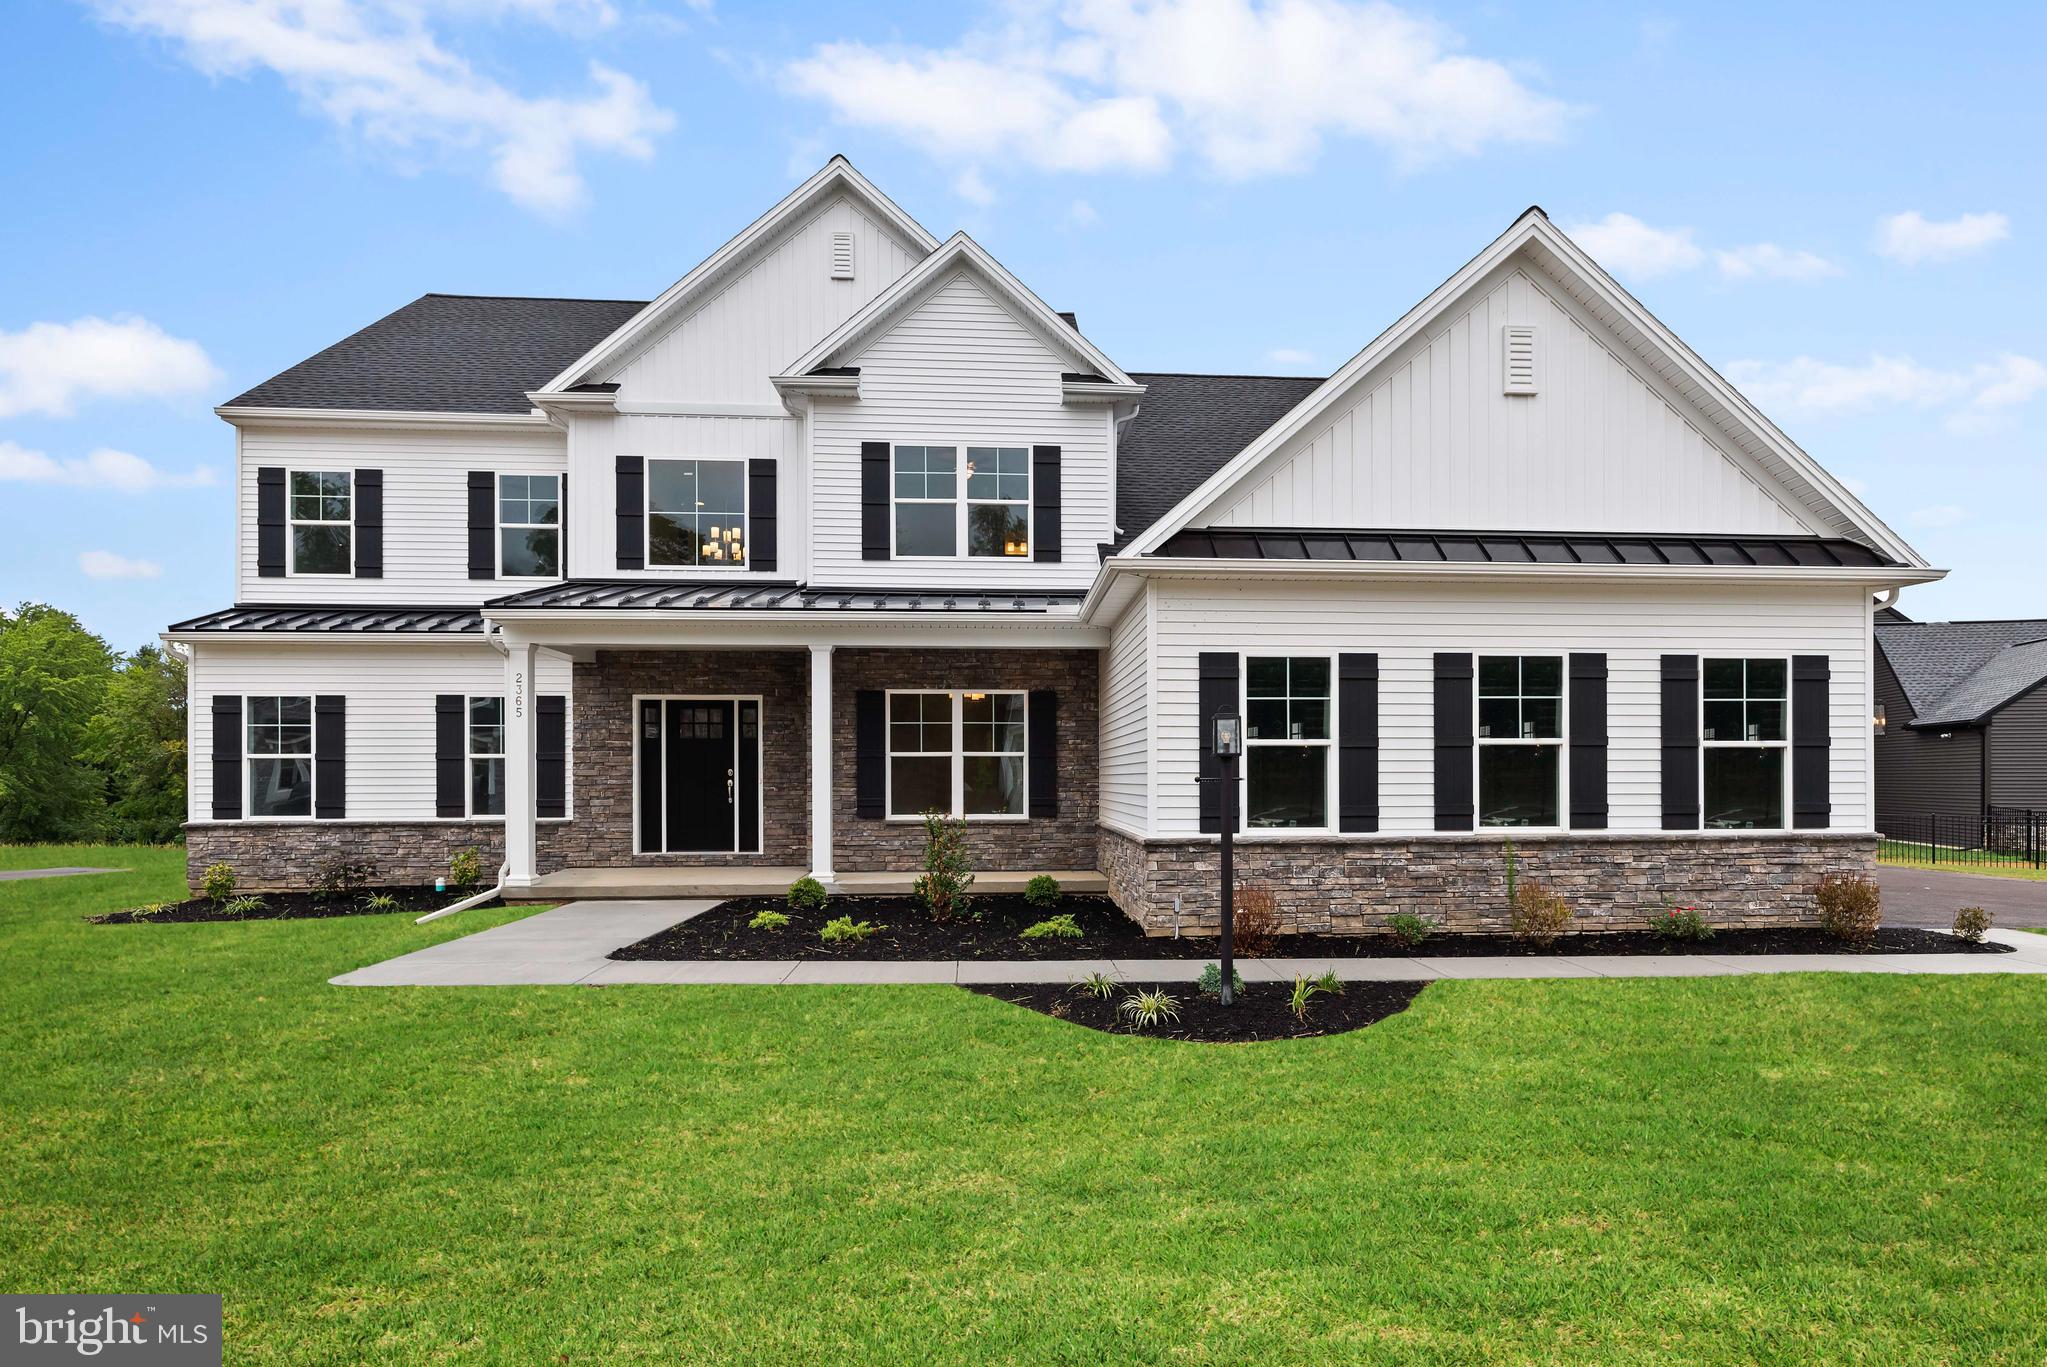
<point x="1229" y="744"/>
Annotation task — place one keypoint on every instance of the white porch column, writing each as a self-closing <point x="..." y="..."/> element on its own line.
<point x="821" y="764"/>
<point x="520" y="841"/>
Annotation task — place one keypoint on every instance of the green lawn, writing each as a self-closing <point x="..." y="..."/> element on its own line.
<point x="1826" y="1167"/>
<point x="1893" y="854"/>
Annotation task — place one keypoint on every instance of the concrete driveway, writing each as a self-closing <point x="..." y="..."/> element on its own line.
<point x="1925" y="897"/>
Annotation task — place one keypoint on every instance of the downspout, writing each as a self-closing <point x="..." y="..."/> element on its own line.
<point x="493" y="633"/>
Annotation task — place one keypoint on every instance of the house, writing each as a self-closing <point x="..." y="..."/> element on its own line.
<point x="1961" y="722"/>
<point x="848" y="524"/>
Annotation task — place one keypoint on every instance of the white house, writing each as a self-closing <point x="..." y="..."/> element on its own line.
<point x="848" y="524"/>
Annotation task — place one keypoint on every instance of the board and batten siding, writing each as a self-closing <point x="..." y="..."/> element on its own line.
<point x="426" y="507"/>
<point x="961" y="369"/>
<point x="1125" y="785"/>
<point x="2018" y="753"/>
<point x="390" y="722"/>
<point x="1922" y="774"/>
<point x="1406" y="623"/>
<point x="1428" y="439"/>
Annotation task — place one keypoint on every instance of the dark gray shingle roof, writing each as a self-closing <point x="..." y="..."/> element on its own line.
<point x="1959" y="672"/>
<point x="448" y="353"/>
<point x="1187" y="428"/>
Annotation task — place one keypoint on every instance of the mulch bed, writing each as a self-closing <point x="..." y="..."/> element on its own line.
<point x="910" y="934"/>
<point x="290" y="906"/>
<point x="1260" y="1011"/>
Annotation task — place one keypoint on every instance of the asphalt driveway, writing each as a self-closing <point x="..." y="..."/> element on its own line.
<point x="1925" y="897"/>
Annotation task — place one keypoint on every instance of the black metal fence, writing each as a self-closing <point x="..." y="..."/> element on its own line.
<point x="1999" y="836"/>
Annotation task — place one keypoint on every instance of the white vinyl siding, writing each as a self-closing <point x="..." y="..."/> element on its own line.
<point x="1125" y="725"/>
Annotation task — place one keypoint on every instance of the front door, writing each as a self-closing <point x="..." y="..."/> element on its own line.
<point x="699" y="775"/>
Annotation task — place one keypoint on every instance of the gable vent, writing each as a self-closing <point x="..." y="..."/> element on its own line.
<point x="842" y="256"/>
<point x="1520" y="359"/>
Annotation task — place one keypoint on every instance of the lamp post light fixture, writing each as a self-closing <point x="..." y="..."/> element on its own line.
<point x="1229" y="746"/>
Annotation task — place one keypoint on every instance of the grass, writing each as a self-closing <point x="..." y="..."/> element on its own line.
<point x="1825" y="1167"/>
<point x="1892" y="854"/>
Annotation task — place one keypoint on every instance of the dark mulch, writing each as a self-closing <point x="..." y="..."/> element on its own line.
<point x="910" y="934"/>
<point x="1260" y="1012"/>
<point x="288" y="906"/>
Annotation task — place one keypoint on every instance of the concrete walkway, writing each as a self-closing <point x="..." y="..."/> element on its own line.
<point x="11" y="875"/>
<point x="569" y="945"/>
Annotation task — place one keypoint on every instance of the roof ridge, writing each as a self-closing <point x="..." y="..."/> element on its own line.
<point x="1227" y="375"/>
<point x="534" y="298"/>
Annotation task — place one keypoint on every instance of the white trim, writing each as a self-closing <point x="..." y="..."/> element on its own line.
<point x="958" y="755"/>
<point x="498" y="517"/>
<point x="469" y="756"/>
<point x="962" y="501"/>
<point x="1561" y="743"/>
<point x="1330" y="796"/>
<point x="718" y="569"/>
<point x="370" y="417"/>
<point x="651" y="408"/>
<point x="293" y="522"/>
<point x="760" y="795"/>
<point x="1782" y="746"/>
<point x="249" y="758"/>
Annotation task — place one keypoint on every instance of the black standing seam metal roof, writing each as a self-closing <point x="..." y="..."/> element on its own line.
<point x="1958" y="673"/>
<point x="1517" y="548"/>
<point x="786" y="596"/>
<point x="449" y="621"/>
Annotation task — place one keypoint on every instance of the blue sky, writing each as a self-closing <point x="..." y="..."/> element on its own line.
<point x="1837" y="206"/>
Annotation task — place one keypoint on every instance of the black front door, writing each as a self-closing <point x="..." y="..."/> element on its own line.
<point x="702" y="780"/>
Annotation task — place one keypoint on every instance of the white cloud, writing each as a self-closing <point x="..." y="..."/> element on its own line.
<point x="375" y="67"/>
<point x="48" y="367"/>
<point x="1081" y="214"/>
<point x="1772" y="262"/>
<point x="1252" y="89"/>
<point x="1937" y="515"/>
<point x="1626" y="245"/>
<point x="1977" y="392"/>
<point x="108" y="565"/>
<point x="1287" y="355"/>
<point x="106" y="468"/>
<point x="1912" y="238"/>
<point x="969" y="186"/>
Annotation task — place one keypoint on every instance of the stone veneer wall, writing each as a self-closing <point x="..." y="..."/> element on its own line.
<point x="286" y="855"/>
<point x="1616" y="882"/>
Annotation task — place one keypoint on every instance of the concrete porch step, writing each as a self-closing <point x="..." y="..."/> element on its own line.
<point x="638" y="883"/>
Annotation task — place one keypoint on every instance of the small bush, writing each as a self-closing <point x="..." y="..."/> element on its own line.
<point x="1851" y="907"/>
<point x="380" y="901"/>
<point x="1538" y="915"/>
<point x="341" y="876"/>
<point x="465" y="869"/>
<point x="767" y="920"/>
<point x="218" y="882"/>
<point x="1681" y="923"/>
<point x="1060" y="927"/>
<point x="1330" y="983"/>
<point x="1970" y="923"/>
<point x="1211" y="981"/>
<point x="1150" y="1009"/>
<point x="1306" y="990"/>
<point x="1042" y="891"/>
<point x="149" y="911"/>
<point x="1254" y="928"/>
<point x="1098" y="985"/>
<point x="243" y="906"/>
<point x="806" y="894"/>
<point x="841" y="928"/>
<point x="1409" y="928"/>
<point x="946" y="880"/>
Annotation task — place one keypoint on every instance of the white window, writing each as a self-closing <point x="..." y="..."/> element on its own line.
<point x="529" y="526"/>
<point x="486" y="756"/>
<point x="1286" y="741"/>
<point x="960" y="752"/>
<point x="935" y="515"/>
<point x="696" y="513"/>
<point x="1520" y="740"/>
<point x="280" y="756"/>
<point x="322" y="515"/>
<point x="1744" y="730"/>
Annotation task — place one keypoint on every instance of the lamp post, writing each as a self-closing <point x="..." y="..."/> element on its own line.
<point x="1229" y="744"/>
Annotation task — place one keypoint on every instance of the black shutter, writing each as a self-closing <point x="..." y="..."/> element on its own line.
<point x="483" y="524"/>
<point x="550" y="755"/>
<point x="874" y="535"/>
<point x="760" y="515"/>
<point x="451" y="754"/>
<point x="870" y="754"/>
<point x="1453" y="741"/>
<point x="270" y="529"/>
<point x="369" y="524"/>
<point x="632" y="513"/>
<point x="1357" y="742"/>
<point x="1045" y="536"/>
<point x="1218" y="696"/>
<point x="1680" y="742"/>
<point x="330" y="757"/>
<point x="1587" y="735"/>
<point x="227" y="757"/>
<point x="1043" y="765"/>
<point x="1812" y="806"/>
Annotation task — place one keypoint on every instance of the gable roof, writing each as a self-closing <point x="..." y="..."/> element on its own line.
<point x="1186" y="429"/>
<point x="446" y="353"/>
<point x="1959" y="673"/>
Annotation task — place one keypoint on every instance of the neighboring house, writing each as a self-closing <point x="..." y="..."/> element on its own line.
<point x="848" y="524"/>
<point x="1961" y="721"/>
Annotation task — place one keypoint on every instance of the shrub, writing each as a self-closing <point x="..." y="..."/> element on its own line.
<point x="767" y="920"/>
<point x="946" y="879"/>
<point x="1681" y="923"/>
<point x="1538" y="915"/>
<point x="465" y="869"/>
<point x="1211" y="981"/>
<point x="1330" y="983"/>
<point x="380" y="901"/>
<point x="1409" y="928"/>
<point x="846" y="928"/>
<point x="1149" y="1009"/>
<point x="1254" y="929"/>
<point x="243" y="906"/>
<point x="218" y="882"/>
<point x="1042" y="891"/>
<point x="1970" y="923"/>
<point x="1850" y="907"/>
<point x="806" y="894"/>
<point x="149" y="911"/>
<point x="340" y="876"/>
<point x="1060" y="927"/>
<point x="1098" y="985"/>
<point x="1306" y="990"/>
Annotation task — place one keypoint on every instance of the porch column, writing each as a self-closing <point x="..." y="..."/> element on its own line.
<point x="520" y="842"/>
<point x="821" y="764"/>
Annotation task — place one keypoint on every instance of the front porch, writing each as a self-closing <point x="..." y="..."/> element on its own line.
<point x="615" y="884"/>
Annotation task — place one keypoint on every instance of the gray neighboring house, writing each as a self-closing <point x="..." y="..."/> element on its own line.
<point x="1961" y="719"/>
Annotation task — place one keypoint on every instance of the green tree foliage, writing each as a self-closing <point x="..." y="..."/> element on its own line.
<point x="53" y="677"/>
<point x="138" y="742"/>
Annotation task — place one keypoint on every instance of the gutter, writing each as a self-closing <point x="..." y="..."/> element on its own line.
<point x="494" y="635"/>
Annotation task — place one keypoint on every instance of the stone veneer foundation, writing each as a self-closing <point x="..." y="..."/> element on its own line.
<point x="1615" y="882"/>
<point x="286" y="855"/>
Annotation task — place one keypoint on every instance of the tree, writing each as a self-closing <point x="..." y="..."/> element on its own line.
<point x="53" y="676"/>
<point x="137" y="740"/>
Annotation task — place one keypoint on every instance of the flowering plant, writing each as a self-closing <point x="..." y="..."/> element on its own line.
<point x="1681" y="923"/>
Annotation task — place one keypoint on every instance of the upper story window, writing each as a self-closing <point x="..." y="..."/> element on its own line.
<point x="960" y="752"/>
<point x="486" y="756"/>
<point x="280" y="756"/>
<point x="1520" y="739"/>
<point x="529" y="526"/>
<point x="1286" y="741"/>
<point x="936" y="512"/>
<point x="696" y="513"/>
<point x="322" y="515"/>
<point x="1743" y="729"/>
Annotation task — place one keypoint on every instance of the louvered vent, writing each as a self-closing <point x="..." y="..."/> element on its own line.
<point x="1520" y="359"/>
<point x="842" y="256"/>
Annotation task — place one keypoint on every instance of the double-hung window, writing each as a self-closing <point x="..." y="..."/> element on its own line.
<point x="696" y="513"/>
<point x="322" y="521"/>
<point x="998" y="500"/>
<point x="927" y="500"/>
<point x="280" y="755"/>
<point x="959" y="752"/>
<point x="1286" y="741"/>
<point x="529" y="526"/>
<point x="1520" y="740"/>
<point x="486" y="756"/>
<point x="936" y="512"/>
<point x="1744" y="731"/>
